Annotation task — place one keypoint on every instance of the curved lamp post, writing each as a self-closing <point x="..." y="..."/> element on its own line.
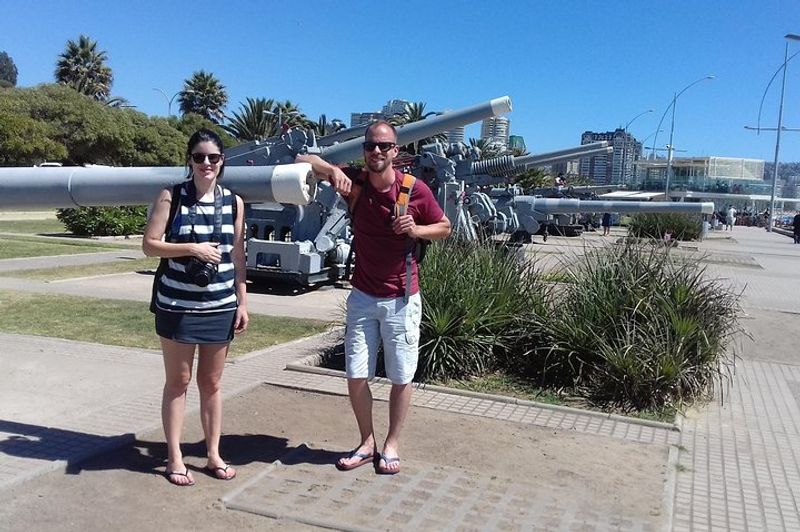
<point x="670" y="148"/>
<point x="788" y="37"/>
<point x="622" y="179"/>
<point x="170" y="100"/>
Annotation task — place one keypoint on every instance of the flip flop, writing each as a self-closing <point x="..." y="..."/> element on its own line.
<point x="169" y="474"/>
<point x="384" y="470"/>
<point x="363" y="458"/>
<point x="220" y="473"/>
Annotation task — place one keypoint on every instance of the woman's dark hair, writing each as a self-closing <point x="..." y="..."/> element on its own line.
<point x="205" y="135"/>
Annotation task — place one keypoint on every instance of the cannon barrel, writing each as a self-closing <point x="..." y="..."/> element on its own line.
<point x="568" y="206"/>
<point x="508" y="164"/>
<point x="351" y="149"/>
<point x="584" y="150"/>
<point x="60" y="187"/>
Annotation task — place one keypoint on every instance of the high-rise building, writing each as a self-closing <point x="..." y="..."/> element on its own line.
<point x="394" y="107"/>
<point x="616" y="167"/>
<point x="359" y="119"/>
<point x="455" y="135"/>
<point x="516" y="141"/>
<point x="496" y="128"/>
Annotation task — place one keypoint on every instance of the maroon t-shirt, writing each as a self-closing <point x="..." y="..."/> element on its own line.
<point x="380" y="253"/>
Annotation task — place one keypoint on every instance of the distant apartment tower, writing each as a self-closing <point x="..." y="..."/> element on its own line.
<point x="359" y="119"/>
<point x="455" y="135"/>
<point x="571" y="167"/>
<point x="516" y="141"/>
<point x="394" y="107"/>
<point x="616" y="167"/>
<point x="496" y="128"/>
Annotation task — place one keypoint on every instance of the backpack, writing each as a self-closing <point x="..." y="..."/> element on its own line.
<point x="415" y="248"/>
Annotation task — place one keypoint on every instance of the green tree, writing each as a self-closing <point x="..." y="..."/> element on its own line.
<point x="533" y="178"/>
<point x="414" y="112"/>
<point x="204" y="95"/>
<point x="253" y="121"/>
<point x="290" y="115"/>
<point x="8" y="71"/>
<point x="25" y="141"/>
<point x="82" y="67"/>
<point x="322" y="127"/>
<point x="487" y="148"/>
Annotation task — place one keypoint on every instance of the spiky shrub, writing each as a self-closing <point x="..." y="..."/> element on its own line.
<point x="633" y="329"/>
<point x="476" y="296"/>
<point x="655" y="224"/>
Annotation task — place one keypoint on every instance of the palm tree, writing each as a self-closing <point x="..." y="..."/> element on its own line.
<point x="253" y="121"/>
<point x="487" y="148"/>
<point x="533" y="178"/>
<point x="322" y="127"/>
<point x="82" y="67"/>
<point x="203" y="94"/>
<point x="291" y="115"/>
<point x="414" y="112"/>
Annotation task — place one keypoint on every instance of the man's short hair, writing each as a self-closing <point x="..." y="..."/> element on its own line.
<point x="377" y="123"/>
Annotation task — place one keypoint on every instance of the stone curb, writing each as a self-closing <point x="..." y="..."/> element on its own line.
<point x="310" y="363"/>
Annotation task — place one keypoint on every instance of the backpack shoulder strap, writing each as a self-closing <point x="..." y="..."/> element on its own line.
<point x="404" y="196"/>
<point x="173" y="208"/>
<point x="355" y="192"/>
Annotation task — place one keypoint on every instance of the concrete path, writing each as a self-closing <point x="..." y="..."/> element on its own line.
<point x="738" y="464"/>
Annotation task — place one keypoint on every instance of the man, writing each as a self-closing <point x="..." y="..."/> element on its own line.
<point x="730" y="218"/>
<point x="796" y="228"/>
<point x="377" y="307"/>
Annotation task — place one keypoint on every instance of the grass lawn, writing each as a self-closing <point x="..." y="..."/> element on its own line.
<point x="126" y="323"/>
<point x="86" y="270"/>
<point x="17" y="247"/>
<point x="33" y="227"/>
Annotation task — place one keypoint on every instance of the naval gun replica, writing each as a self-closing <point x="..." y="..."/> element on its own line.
<point x="296" y="228"/>
<point x="478" y="195"/>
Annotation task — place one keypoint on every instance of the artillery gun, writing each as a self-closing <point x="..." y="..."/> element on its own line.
<point x="296" y="228"/>
<point x="478" y="195"/>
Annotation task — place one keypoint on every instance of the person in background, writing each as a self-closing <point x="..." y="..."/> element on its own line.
<point x="730" y="218"/>
<point x="606" y="223"/>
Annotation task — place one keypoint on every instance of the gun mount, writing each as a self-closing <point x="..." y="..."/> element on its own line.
<point x="296" y="228"/>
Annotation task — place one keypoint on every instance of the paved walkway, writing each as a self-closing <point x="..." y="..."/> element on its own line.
<point x="738" y="460"/>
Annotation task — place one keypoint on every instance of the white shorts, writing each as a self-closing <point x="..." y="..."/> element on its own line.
<point x="370" y="319"/>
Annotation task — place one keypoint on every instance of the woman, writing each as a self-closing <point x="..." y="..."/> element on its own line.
<point x="201" y="300"/>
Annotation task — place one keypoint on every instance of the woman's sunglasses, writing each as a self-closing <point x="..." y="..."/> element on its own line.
<point x="213" y="158"/>
<point x="383" y="146"/>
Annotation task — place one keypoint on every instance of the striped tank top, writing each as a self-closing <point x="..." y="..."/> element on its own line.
<point x="177" y="292"/>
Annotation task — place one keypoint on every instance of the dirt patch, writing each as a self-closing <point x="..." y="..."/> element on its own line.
<point x="124" y="489"/>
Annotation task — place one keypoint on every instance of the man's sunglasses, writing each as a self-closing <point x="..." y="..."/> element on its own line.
<point x="383" y="146"/>
<point x="213" y="158"/>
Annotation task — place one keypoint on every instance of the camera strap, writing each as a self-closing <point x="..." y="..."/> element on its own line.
<point x="218" y="205"/>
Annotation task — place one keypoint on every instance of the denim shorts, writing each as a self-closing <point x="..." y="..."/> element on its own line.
<point x="370" y="319"/>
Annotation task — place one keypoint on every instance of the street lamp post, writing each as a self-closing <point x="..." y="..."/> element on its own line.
<point x="788" y="37"/>
<point x="622" y="177"/>
<point x="670" y="146"/>
<point x="169" y="100"/>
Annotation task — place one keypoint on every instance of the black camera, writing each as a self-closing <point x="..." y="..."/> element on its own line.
<point x="200" y="272"/>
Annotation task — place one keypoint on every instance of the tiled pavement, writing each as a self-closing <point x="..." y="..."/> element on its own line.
<point x="738" y="460"/>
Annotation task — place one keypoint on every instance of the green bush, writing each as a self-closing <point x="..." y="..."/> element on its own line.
<point x="633" y="329"/>
<point x="476" y="296"/>
<point x="654" y="225"/>
<point x="104" y="221"/>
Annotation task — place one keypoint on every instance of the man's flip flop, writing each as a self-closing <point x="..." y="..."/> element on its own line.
<point x="169" y="475"/>
<point x="363" y="458"/>
<point x="384" y="470"/>
<point x="220" y="473"/>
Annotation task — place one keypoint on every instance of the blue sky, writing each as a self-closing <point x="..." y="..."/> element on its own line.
<point x="568" y="66"/>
